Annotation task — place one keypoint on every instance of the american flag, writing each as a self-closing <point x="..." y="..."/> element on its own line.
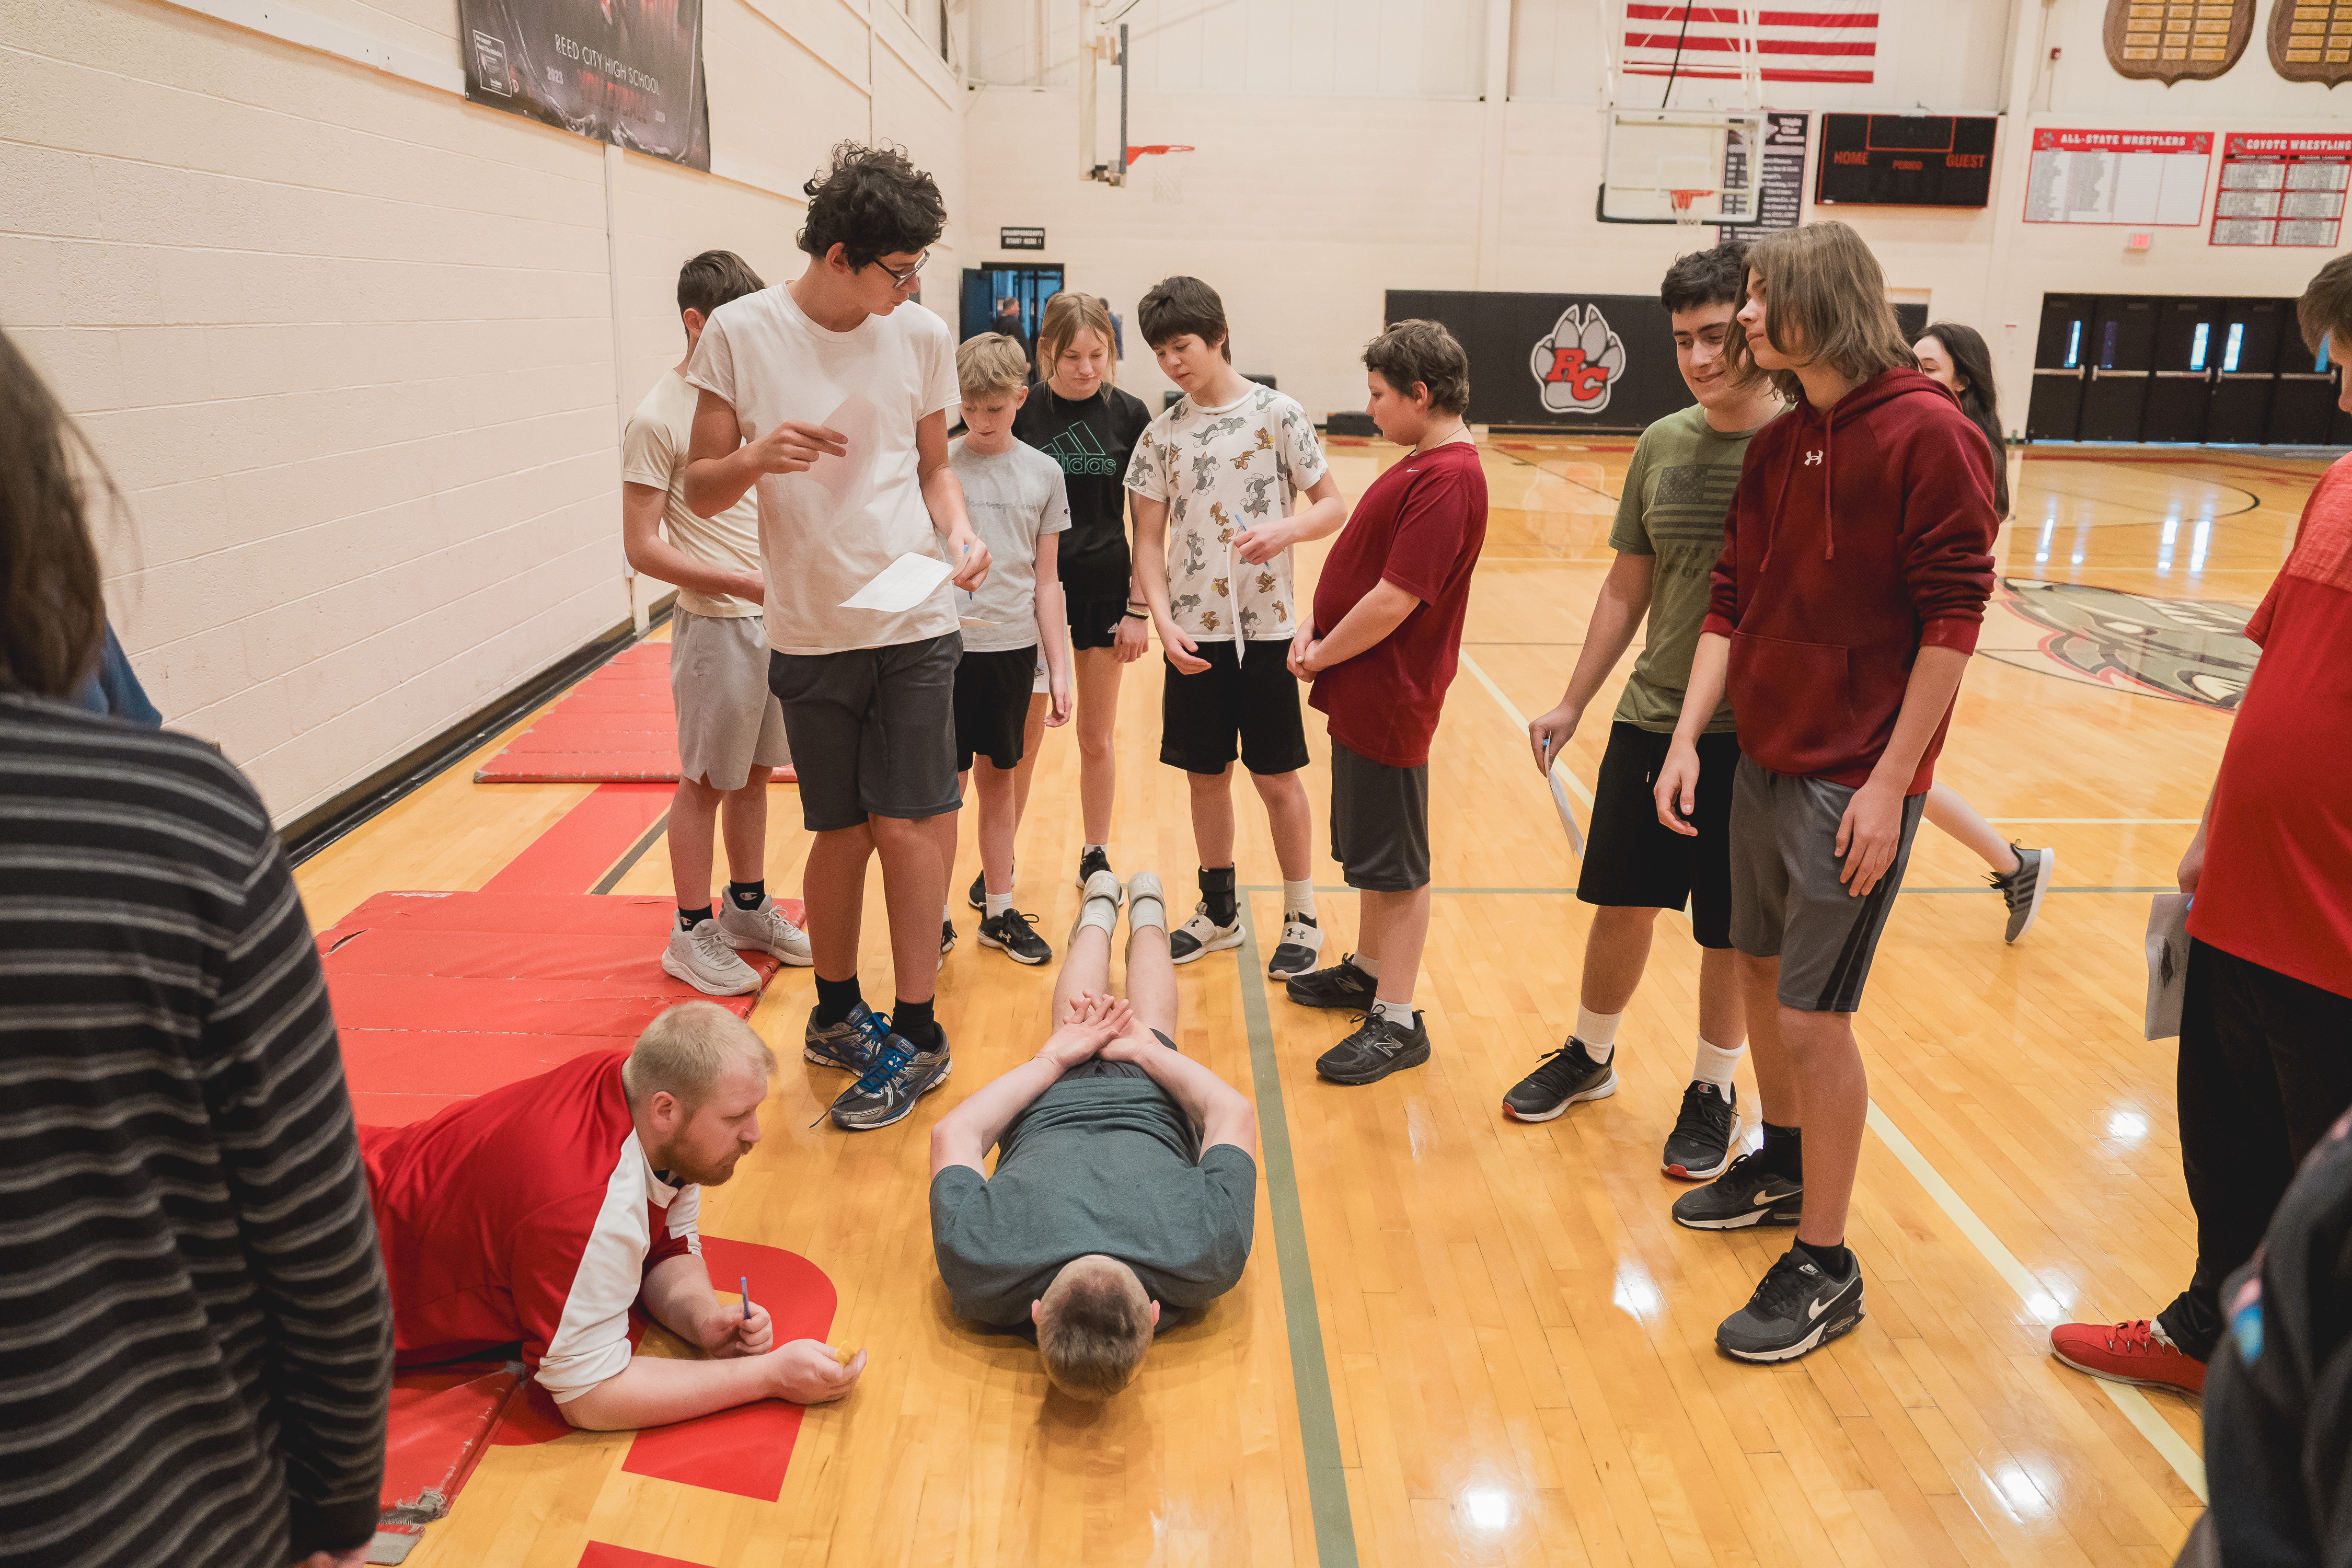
<point x="1830" y="40"/>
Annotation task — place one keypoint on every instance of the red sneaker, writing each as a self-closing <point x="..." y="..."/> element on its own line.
<point x="2130" y="1353"/>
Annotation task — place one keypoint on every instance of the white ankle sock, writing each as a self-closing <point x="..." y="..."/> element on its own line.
<point x="1715" y="1064"/>
<point x="1086" y="849"/>
<point x="1298" y="899"/>
<point x="947" y="911"/>
<point x="1397" y="1013"/>
<point x="997" y="903"/>
<point x="1370" y="966"/>
<point x="1599" y="1032"/>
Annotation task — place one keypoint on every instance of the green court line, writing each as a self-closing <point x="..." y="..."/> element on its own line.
<point x="1311" y="1376"/>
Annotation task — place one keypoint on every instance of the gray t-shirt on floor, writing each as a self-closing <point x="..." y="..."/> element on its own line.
<point x="1105" y="1165"/>
<point x="1013" y="499"/>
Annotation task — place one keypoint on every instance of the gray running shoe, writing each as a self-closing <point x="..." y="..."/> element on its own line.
<point x="1796" y="1308"/>
<point x="1746" y="1194"/>
<point x="1376" y="1049"/>
<point x="886" y="1092"/>
<point x="2024" y="888"/>
<point x="1343" y="986"/>
<point x="849" y="1044"/>
<point x="765" y="930"/>
<point x="1561" y="1079"/>
<point x="705" y="960"/>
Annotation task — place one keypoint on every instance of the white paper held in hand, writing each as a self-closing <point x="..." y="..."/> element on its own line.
<point x="844" y="477"/>
<point x="1567" y="817"/>
<point x="2168" y="963"/>
<point x="901" y="585"/>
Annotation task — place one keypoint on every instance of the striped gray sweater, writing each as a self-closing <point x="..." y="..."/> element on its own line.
<point x="195" y="1341"/>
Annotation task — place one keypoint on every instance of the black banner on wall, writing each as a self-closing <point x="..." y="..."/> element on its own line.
<point x="623" y="72"/>
<point x="1583" y="362"/>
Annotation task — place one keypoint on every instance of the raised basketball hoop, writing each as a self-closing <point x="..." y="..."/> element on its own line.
<point x="1158" y="149"/>
<point x="1687" y="211"/>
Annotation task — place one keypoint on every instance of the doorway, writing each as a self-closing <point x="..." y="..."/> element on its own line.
<point x="2179" y="369"/>
<point x="1007" y="299"/>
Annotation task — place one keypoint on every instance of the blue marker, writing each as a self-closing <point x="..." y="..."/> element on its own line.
<point x="745" y="1281"/>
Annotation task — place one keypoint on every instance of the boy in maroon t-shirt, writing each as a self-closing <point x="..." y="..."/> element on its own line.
<point x="1380" y="649"/>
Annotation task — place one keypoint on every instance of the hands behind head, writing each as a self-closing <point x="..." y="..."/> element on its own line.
<point x="1092" y="1023"/>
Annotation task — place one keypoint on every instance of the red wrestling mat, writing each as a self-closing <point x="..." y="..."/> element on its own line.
<point x="616" y="726"/>
<point x="599" y="1556"/>
<point x="441" y="996"/>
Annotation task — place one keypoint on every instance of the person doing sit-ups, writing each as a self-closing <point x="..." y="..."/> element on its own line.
<point x="1128" y="1176"/>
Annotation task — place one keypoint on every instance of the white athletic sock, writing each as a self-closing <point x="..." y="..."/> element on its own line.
<point x="1145" y="910"/>
<point x="1370" y="966"/>
<point x="1716" y="1065"/>
<point x="1100" y="913"/>
<point x="997" y="903"/>
<point x="947" y="911"/>
<point x="1085" y="849"/>
<point x="1298" y="899"/>
<point x="1397" y="1013"/>
<point x="1597" y="1031"/>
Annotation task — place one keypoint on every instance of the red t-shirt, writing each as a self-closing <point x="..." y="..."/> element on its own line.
<point x="527" y="1214"/>
<point x="1419" y="526"/>
<point x="2277" y="886"/>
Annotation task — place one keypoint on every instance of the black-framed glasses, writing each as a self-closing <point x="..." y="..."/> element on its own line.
<point x="902" y="279"/>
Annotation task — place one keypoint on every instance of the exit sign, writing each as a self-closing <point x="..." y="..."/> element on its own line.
<point x="1021" y="239"/>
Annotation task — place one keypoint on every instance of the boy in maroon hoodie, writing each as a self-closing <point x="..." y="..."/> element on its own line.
<point x="1856" y="563"/>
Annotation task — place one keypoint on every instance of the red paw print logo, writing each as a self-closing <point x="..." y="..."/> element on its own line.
<point x="1578" y="362"/>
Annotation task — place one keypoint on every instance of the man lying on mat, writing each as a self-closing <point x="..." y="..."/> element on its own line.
<point x="543" y="1211"/>
<point x="1127" y="1177"/>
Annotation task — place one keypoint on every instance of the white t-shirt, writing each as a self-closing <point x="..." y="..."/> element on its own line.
<point x="825" y="534"/>
<point x="1013" y="499"/>
<point x="653" y="452"/>
<point x="1220" y="471"/>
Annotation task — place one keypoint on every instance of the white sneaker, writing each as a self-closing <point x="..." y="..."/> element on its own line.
<point x="705" y="960"/>
<point x="766" y="930"/>
<point x="1202" y="935"/>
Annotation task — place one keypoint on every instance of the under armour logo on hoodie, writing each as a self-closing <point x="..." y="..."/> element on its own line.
<point x="1811" y="457"/>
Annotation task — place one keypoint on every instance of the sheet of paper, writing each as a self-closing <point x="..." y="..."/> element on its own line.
<point x="2168" y="962"/>
<point x="901" y="585"/>
<point x="1567" y="817"/>
<point x="846" y="478"/>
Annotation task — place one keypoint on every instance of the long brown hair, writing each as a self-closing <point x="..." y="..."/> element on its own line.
<point x="1979" y="399"/>
<point x="52" y="615"/>
<point x="1822" y="280"/>
<point x="1065" y="316"/>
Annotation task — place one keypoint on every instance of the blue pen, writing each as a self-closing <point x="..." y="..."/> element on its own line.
<point x="968" y="593"/>
<point x="745" y="1281"/>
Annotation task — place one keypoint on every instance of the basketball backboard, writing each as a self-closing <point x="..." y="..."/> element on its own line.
<point x="1653" y="154"/>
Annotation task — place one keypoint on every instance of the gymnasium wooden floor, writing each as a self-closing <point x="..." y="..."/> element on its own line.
<point x="1464" y="1340"/>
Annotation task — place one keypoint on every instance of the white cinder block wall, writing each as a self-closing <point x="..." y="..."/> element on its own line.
<point x="346" y="342"/>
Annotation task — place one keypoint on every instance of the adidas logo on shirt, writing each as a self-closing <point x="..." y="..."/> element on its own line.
<point x="1079" y="453"/>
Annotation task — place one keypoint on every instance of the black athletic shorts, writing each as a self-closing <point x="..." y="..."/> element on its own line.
<point x="992" y="705"/>
<point x="1094" y="623"/>
<point x="1252" y="701"/>
<point x="1379" y="823"/>
<point x="873" y="728"/>
<point x="1631" y="860"/>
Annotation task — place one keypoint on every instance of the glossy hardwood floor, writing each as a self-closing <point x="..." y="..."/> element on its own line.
<point x="1466" y="1340"/>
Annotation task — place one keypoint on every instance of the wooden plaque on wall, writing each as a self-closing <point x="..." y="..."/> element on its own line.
<point x="2177" y="41"/>
<point x="2311" y="40"/>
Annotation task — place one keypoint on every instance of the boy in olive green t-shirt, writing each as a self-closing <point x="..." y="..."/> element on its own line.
<point x="1668" y="533"/>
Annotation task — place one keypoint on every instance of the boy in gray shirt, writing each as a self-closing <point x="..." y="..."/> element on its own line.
<point x="1127" y="1178"/>
<point x="1019" y="506"/>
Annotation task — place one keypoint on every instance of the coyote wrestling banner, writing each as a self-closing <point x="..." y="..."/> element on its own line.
<point x="623" y="72"/>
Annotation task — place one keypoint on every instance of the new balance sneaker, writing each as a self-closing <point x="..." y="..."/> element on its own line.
<point x="1746" y="1194"/>
<point x="1301" y="945"/>
<point x="765" y="930"/>
<point x="1796" y="1308"/>
<point x="2024" y="888"/>
<point x="2134" y="1353"/>
<point x="1202" y="935"/>
<point x="1700" y="1145"/>
<point x="886" y="1092"/>
<point x="1091" y="861"/>
<point x="1342" y="986"/>
<point x="947" y="937"/>
<point x="1563" y="1077"/>
<point x="850" y="1044"/>
<point x="1376" y="1049"/>
<point x="704" y="959"/>
<point x="1012" y="934"/>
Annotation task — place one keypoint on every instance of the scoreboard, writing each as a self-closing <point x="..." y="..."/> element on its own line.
<point x="1905" y="160"/>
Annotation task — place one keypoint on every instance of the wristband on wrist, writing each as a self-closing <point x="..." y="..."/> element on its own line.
<point x="1137" y="616"/>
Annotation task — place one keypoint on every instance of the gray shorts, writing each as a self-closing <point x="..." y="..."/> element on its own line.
<point x="878" y="725"/>
<point x="1786" y="899"/>
<point x="727" y="720"/>
<point x="1379" y="823"/>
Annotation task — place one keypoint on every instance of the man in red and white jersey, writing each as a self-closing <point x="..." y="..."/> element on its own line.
<point x="543" y="1211"/>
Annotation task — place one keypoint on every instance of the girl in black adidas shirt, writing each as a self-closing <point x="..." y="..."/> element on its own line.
<point x="1078" y="418"/>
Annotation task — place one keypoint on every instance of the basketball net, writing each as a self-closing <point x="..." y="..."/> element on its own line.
<point x="1686" y="207"/>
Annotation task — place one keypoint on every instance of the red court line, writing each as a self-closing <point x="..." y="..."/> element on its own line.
<point x="570" y="855"/>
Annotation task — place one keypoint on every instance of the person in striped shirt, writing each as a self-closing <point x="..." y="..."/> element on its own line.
<point x="195" y="1351"/>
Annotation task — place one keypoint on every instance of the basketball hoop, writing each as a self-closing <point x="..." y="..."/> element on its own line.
<point x="1686" y="207"/>
<point x="1154" y="151"/>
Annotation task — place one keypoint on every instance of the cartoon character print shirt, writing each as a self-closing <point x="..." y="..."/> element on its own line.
<point x="1220" y="471"/>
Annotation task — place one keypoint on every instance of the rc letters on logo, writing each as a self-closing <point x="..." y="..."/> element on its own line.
<point x="1578" y="362"/>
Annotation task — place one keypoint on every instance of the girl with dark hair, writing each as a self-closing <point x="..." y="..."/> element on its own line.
<point x="1956" y="356"/>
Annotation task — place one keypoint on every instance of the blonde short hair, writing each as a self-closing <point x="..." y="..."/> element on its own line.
<point x="991" y="363"/>
<point x="686" y="1048"/>
<point x="1094" y="1323"/>
<point x="1067" y="315"/>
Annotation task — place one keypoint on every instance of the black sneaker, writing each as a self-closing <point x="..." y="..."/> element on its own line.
<point x="978" y="897"/>
<point x="1301" y="945"/>
<point x="1342" y="986"/>
<point x="1746" y="1194"/>
<point x="1565" y="1076"/>
<point x="887" y="1090"/>
<point x="1376" y="1049"/>
<point x="2024" y="888"/>
<point x="1011" y="933"/>
<point x="947" y="937"/>
<point x="851" y="1044"/>
<point x="1796" y="1308"/>
<point x="1700" y="1145"/>
<point x="1091" y="861"/>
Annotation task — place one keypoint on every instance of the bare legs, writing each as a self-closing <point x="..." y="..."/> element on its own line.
<point x="1096" y="671"/>
<point x="915" y="888"/>
<point x="1395" y="927"/>
<point x="1617" y="951"/>
<point x="696" y="813"/>
<point x="1287" y="817"/>
<point x="1809" y="1070"/>
<point x="1951" y="813"/>
<point x="1150" y="975"/>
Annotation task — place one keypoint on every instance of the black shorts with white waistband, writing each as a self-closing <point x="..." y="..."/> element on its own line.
<point x="1247" y="705"/>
